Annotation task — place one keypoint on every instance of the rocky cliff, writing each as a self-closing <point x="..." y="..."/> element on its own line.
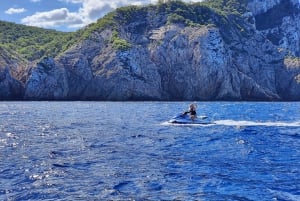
<point x="12" y="73"/>
<point x="172" y="51"/>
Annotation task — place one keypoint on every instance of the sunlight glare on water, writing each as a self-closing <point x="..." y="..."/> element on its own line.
<point x="128" y="151"/>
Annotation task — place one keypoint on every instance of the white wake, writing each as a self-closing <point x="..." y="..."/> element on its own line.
<point x="257" y="123"/>
<point x="228" y="122"/>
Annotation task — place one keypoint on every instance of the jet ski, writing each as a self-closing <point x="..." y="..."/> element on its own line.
<point x="186" y="119"/>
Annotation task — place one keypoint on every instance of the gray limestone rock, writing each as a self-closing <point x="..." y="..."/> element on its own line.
<point x="251" y="60"/>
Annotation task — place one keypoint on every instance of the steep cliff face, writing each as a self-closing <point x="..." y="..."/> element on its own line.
<point x="279" y="23"/>
<point x="12" y="72"/>
<point x="150" y="54"/>
<point x="258" y="6"/>
<point x="10" y="88"/>
<point x="47" y="81"/>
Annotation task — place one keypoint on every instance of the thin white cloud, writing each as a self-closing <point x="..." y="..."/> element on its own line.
<point x="12" y="11"/>
<point x="34" y="1"/>
<point x="54" y="18"/>
<point x="92" y="10"/>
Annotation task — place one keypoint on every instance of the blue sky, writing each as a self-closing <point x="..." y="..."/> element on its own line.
<point x="63" y="15"/>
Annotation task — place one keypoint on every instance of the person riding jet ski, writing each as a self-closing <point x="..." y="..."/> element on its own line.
<point x="192" y="111"/>
<point x="190" y="117"/>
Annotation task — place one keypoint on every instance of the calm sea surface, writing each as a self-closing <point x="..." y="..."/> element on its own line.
<point x="127" y="151"/>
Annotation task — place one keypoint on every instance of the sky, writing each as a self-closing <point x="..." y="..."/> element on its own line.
<point x="62" y="15"/>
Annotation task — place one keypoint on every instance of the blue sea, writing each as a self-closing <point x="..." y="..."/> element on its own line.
<point x="128" y="151"/>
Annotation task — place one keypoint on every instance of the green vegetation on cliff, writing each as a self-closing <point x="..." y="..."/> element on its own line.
<point x="34" y="43"/>
<point x="169" y="11"/>
<point x="227" y="6"/>
<point x="106" y="21"/>
<point x="119" y="43"/>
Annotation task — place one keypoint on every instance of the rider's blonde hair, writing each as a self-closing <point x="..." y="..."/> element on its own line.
<point x="193" y="105"/>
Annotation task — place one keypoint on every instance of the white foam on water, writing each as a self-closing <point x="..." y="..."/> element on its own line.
<point x="285" y="195"/>
<point x="176" y="124"/>
<point x="229" y="122"/>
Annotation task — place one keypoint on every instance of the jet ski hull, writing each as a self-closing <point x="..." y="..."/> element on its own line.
<point x="186" y="119"/>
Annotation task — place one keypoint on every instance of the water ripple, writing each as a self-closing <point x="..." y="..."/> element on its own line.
<point x="121" y="151"/>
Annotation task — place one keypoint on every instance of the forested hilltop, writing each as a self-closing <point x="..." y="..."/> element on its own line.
<point x="34" y="43"/>
<point x="212" y="50"/>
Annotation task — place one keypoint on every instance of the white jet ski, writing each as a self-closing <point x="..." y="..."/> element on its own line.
<point x="186" y="119"/>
